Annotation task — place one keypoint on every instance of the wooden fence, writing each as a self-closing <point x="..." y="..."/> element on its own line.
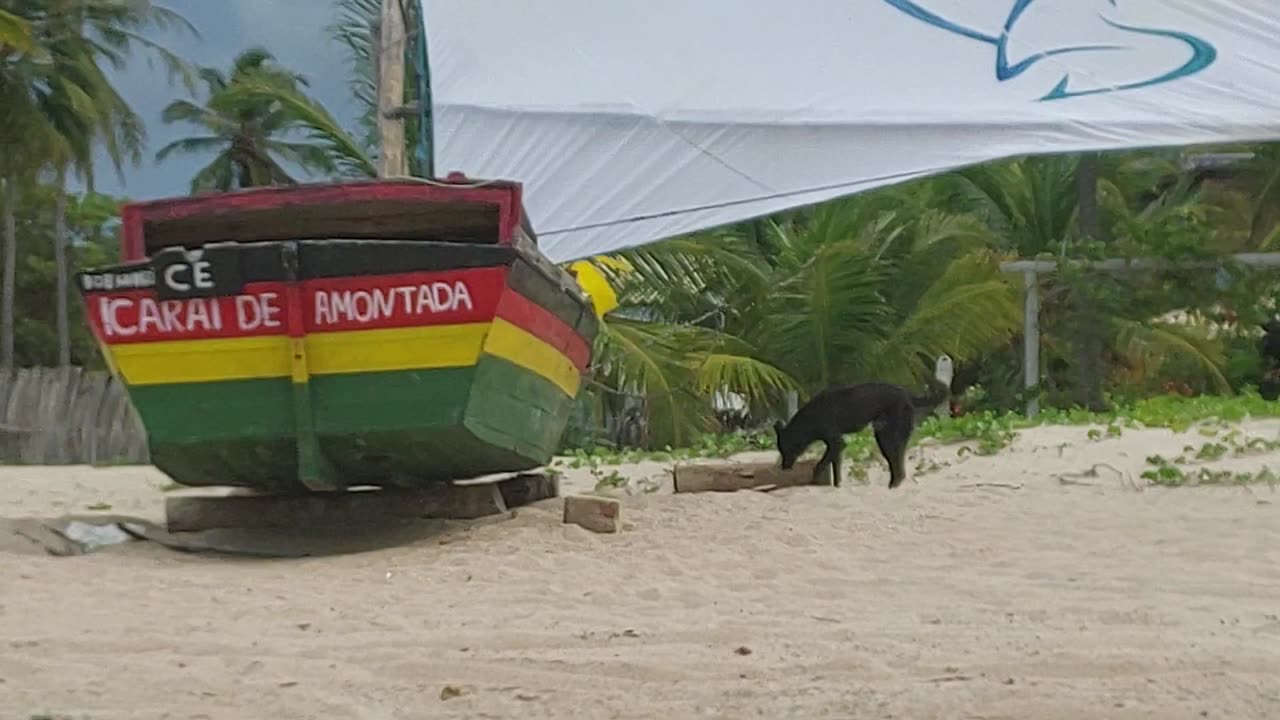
<point x="67" y="416"/>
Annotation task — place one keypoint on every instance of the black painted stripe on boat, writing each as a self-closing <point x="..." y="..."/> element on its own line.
<point x="541" y="290"/>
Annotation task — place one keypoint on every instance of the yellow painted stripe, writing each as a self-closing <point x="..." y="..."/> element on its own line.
<point x="514" y="344"/>
<point x="339" y="352"/>
<point x="222" y="359"/>
<point x="357" y="351"/>
<point x="193" y="361"/>
<point x="298" y="360"/>
<point x="420" y="348"/>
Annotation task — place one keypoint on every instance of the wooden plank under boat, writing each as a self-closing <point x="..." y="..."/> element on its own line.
<point x="389" y="333"/>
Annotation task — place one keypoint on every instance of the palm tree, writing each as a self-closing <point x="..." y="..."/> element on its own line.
<point x="1033" y="206"/>
<point x="872" y="287"/>
<point x="251" y="117"/>
<point x="55" y="95"/>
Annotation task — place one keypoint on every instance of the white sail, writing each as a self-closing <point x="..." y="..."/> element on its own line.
<point x="632" y="121"/>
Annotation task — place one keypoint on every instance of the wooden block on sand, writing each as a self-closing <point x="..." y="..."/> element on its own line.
<point x="357" y="507"/>
<point x="597" y="514"/>
<point x="728" y="477"/>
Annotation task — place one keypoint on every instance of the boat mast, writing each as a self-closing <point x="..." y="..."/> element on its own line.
<point x="391" y="50"/>
<point x="401" y="34"/>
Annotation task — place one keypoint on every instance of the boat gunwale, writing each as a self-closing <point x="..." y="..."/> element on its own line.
<point x="505" y="195"/>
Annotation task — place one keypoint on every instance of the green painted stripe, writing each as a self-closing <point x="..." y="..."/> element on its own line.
<point x="235" y="409"/>
<point x="389" y="401"/>
<point x="514" y="408"/>
<point x="402" y="428"/>
<point x="224" y="433"/>
<point x="266" y="464"/>
<point x="410" y="458"/>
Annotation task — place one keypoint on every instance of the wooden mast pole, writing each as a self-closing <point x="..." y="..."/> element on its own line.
<point x="391" y="53"/>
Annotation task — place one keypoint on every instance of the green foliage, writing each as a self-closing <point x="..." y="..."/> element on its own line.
<point x="93" y="235"/>
<point x="987" y="433"/>
<point x="257" y="119"/>
<point x="872" y="287"/>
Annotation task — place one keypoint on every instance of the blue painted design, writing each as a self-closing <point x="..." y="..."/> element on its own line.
<point x="1203" y="54"/>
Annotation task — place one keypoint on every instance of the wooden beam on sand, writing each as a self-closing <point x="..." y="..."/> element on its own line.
<point x="458" y="501"/>
<point x="730" y="477"/>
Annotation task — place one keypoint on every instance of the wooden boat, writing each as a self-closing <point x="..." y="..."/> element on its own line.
<point x="319" y="337"/>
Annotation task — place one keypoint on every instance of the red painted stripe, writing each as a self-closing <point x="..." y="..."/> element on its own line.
<point x="362" y="302"/>
<point x="372" y="302"/>
<point x="137" y="316"/>
<point x="542" y="324"/>
<point x="295" y="314"/>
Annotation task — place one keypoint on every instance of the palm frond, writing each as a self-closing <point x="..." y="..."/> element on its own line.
<point x="820" y="319"/>
<point x="15" y="34"/>
<point x="189" y="112"/>
<point x="307" y="114"/>
<point x="1153" y="344"/>
<point x="218" y="175"/>
<point x="191" y="146"/>
<point x="755" y="380"/>
<point x="649" y="359"/>
<point x="969" y="311"/>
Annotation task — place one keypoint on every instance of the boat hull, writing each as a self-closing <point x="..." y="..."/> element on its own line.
<point x="330" y="364"/>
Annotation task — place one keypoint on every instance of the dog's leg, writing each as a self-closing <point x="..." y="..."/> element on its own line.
<point x="892" y="438"/>
<point x="832" y="458"/>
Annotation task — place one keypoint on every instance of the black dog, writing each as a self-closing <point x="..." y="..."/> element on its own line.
<point x="831" y="414"/>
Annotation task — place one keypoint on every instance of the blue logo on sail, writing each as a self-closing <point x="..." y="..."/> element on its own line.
<point x="1203" y="54"/>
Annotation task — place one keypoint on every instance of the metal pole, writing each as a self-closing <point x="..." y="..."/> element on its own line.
<point x="1031" y="339"/>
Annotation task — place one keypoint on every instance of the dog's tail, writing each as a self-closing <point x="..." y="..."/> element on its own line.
<point x="937" y="394"/>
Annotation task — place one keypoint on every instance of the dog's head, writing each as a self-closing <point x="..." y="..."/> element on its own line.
<point x="786" y="447"/>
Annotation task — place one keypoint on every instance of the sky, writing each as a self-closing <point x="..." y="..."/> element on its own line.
<point x="293" y="30"/>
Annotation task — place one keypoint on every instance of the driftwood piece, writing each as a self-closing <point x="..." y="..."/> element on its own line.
<point x="729" y="477"/>
<point x="357" y="507"/>
<point x="597" y="514"/>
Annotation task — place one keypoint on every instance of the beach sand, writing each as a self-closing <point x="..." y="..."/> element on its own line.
<point x="1007" y="586"/>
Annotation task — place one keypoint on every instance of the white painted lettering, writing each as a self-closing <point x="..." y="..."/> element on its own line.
<point x="406" y="294"/>
<point x="424" y="300"/>
<point x="461" y="295"/>
<point x="201" y="275"/>
<point x="324" y="314"/>
<point x="149" y="314"/>
<point x="110" y="308"/>
<point x="384" y="301"/>
<point x="171" y="312"/>
<point x="341" y="302"/>
<point x="198" y="314"/>
<point x="442" y="296"/>
<point x="334" y="307"/>
<point x="367" y="314"/>
<point x="248" y="313"/>
<point x="270" y="310"/>
<point x="171" y="277"/>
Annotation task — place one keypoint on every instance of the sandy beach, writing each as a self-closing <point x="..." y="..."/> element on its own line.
<point x="1010" y="586"/>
